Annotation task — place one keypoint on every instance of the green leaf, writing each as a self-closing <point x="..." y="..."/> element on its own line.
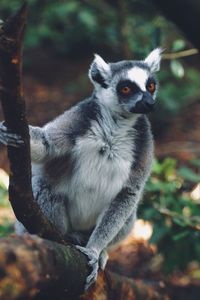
<point x="177" y="68"/>
<point x="178" y="45"/>
<point x="188" y="174"/>
<point x="196" y="162"/>
<point x="180" y="235"/>
<point x="88" y="19"/>
<point x="179" y="221"/>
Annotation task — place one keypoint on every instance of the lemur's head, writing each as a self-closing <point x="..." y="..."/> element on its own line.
<point x="128" y="85"/>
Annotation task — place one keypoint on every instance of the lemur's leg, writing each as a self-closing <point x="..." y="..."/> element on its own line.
<point x="78" y="237"/>
<point x="9" y="139"/>
<point x="51" y="204"/>
<point x="19" y="228"/>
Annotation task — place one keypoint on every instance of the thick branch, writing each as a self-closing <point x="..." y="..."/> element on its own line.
<point x="30" y="265"/>
<point x="185" y="14"/>
<point x="11" y="94"/>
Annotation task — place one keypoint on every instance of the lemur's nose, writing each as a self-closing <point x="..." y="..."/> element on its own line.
<point x="148" y="99"/>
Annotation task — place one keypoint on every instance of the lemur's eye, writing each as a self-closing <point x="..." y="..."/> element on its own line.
<point x="126" y="90"/>
<point x="151" y="87"/>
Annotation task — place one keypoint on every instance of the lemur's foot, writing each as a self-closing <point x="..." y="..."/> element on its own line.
<point x="93" y="262"/>
<point x="9" y="139"/>
<point x="77" y="238"/>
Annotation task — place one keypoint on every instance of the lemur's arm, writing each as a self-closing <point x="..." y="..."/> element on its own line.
<point x="40" y="142"/>
<point x="114" y="218"/>
<point x="9" y="139"/>
<point x="40" y="145"/>
<point x="108" y="227"/>
<point x="118" y="212"/>
<point x="54" y="139"/>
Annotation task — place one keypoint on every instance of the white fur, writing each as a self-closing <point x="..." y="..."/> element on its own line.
<point x="38" y="151"/>
<point x="98" y="178"/>
<point x="153" y="59"/>
<point x="102" y="66"/>
<point x="139" y="76"/>
<point x="108" y="98"/>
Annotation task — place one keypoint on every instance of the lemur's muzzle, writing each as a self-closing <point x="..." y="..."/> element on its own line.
<point x="145" y="105"/>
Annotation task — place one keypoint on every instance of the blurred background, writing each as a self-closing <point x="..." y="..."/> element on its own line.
<point x="60" y="41"/>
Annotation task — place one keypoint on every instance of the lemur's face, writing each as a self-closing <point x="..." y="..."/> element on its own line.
<point x="127" y="85"/>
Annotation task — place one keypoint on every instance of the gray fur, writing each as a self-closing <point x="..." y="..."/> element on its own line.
<point x="91" y="163"/>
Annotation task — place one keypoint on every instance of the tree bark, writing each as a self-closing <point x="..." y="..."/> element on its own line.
<point x="11" y="94"/>
<point x="33" y="267"/>
<point x="185" y="14"/>
<point x="30" y="265"/>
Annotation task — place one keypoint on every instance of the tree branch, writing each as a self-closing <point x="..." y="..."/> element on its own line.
<point x="31" y="266"/>
<point x="180" y="54"/>
<point x="11" y="94"/>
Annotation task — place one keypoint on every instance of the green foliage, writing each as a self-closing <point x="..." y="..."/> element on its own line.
<point x="3" y="193"/>
<point x="6" y="226"/>
<point x="174" y="214"/>
<point x="178" y="87"/>
<point x="178" y="45"/>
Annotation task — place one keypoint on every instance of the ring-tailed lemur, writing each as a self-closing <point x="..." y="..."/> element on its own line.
<point x="91" y="163"/>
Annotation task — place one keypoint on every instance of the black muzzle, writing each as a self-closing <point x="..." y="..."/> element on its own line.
<point x="145" y="105"/>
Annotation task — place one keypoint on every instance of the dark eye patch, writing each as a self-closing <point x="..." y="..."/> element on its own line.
<point x="129" y="84"/>
<point x="151" y="81"/>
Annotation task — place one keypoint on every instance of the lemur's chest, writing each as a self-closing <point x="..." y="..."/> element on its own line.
<point x="102" y="166"/>
<point x="103" y="159"/>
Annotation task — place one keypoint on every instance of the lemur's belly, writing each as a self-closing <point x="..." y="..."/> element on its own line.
<point x="100" y="171"/>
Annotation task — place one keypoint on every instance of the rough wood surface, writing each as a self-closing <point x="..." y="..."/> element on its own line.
<point x="30" y="265"/>
<point x="33" y="267"/>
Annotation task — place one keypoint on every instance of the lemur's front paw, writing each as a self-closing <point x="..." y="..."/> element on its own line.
<point x="93" y="262"/>
<point x="9" y="139"/>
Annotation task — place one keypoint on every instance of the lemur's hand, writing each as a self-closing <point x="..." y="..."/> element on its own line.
<point x="9" y="139"/>
<point x="93" y="262"/>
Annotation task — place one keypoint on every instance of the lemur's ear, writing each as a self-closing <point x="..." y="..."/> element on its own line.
<point x="99" y="72"/>
<point x="153" y="59"/>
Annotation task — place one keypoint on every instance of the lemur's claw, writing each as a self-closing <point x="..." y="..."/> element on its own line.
<point x="93" y="276"/>
<point x="93" y="262"/>
<point x="10" y="139"/>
